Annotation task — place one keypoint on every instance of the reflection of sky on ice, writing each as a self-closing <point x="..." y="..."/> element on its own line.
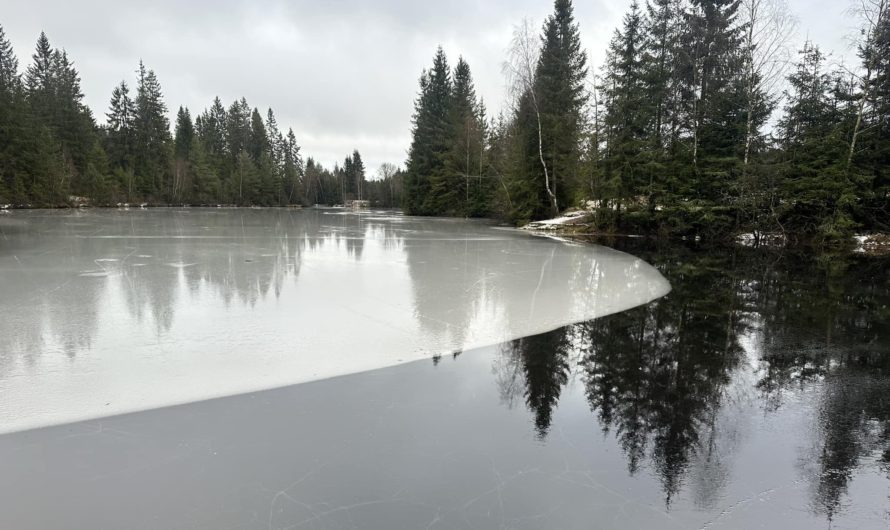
<point x="109" y="311"/>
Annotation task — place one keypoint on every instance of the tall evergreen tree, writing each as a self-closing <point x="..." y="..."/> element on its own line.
<point x="813" y="140"/>
<point x="238" y="132"/>
<point x="628" y="116"/>
<point x="358" y="174"/>
<point x="347" y="179"/>
<point x="38" y="76"/>
<point x="183" y="143"/>
<point x="431" y="139"/>
<point x="467" y="152"/>
<point x="258" y="143"/>
<point x="276" y="150"/>
<point x="276" y="139"/>
<point x="546" y="134"/>
<point x="211" y="129"/>
<point x="120" y="140"/>
<point x="292" y="169"/>
<point x="869" y="163"/>
<point x="662" y="26"/>
<point x="30" y="158"/>
<point x="121" y="117"/>
<point x="152" y="136"/>
<point x="712" y="90"/>
<point x="262" y="189"/>
<point x="10" y="81"/>
<point x="56" y="101"/>
<point x="184" y="133"/>
<point x="10" y="116"/>
<point x="559" y="88"/>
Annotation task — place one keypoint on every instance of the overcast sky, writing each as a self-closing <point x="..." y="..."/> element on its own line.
<point x="342" y="73"/>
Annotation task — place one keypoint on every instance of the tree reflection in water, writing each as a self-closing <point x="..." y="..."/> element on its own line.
<point x="544" y="360"/>
<point x="777" y="325"/>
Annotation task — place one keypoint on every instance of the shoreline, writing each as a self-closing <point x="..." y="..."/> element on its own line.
<point x="573" y="224"/>
<point x="579" y="225"/>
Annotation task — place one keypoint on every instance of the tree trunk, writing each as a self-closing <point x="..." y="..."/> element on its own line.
<point x="874" y="24"/>
<point x="550" y="192"/>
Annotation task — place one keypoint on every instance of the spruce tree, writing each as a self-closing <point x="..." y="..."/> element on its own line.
<point x="870" y="167"/>
<point x="205" y="182"/>
<point x="276" y="148"/>
<point x="75" y="127"/>
<point x="813" y="140"/>
<point x="38" y="76"/>
<point x="151" y="136"/>
<point x="559" y="89"/>
<point x="464" y="162"/>
<point x="55" y="100"/>
<point x="258" y="143"/>
<point x="712" y="89"/>
<point x="292" y="169"/>
<point x="30" y="157"/>
<point x="184" y="133"/>
<point x="426" y="176"/>
<point x="358" y="174"/>
<point x="711" y="110"/>
<point x="11" y="118"/>
<point x="347" y="179"/>
<point x="237" y="137"/>
<point x="259" y="148"/>
<point x="120" y="118"/>
<point x="10" y="82"/>
<point x="276" y="140"/>
<point x="662" y="26"/>
<point x="629" y="114"/>
<point x="183" y="143"/>
<point x="211" y="129"/>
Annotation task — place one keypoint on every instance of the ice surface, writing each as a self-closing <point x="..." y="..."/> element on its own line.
<point x="104" y="312"/>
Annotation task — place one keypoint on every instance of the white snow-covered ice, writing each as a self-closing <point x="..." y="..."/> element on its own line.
<point x="110" y="311"/>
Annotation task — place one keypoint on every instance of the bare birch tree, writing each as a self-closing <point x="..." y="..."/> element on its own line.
<point x="387" y="173"/>
<point x="769" y="27"/>
<point x="872" y="13"/>
<point x="522" y="60"/>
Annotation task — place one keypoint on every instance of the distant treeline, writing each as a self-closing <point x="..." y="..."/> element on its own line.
<point x="699" y="123"/>
<point x="53" y="153"/>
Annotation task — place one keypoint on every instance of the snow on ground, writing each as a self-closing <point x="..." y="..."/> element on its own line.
<point x="567" y="219"/>
<point x="872" y="243"/>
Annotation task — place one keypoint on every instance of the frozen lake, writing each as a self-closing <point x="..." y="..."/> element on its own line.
<point x="107" y="311"/>
<point x="754" y="395"/>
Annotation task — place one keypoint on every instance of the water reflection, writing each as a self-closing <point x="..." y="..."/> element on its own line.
<point x="743" y="333"/>
<point x="114" y="311"/>
<point x="544" y="361"/>
<point x="752" y="396"/>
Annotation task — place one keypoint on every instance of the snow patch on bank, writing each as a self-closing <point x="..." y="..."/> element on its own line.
<point x="570" y="218"/>
<point x="872" y="243"/>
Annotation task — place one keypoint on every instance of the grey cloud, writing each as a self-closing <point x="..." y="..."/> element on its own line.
<point x="343" y="73"/>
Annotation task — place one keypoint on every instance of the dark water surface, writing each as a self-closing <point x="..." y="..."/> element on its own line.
<point x="755" y="395"/>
